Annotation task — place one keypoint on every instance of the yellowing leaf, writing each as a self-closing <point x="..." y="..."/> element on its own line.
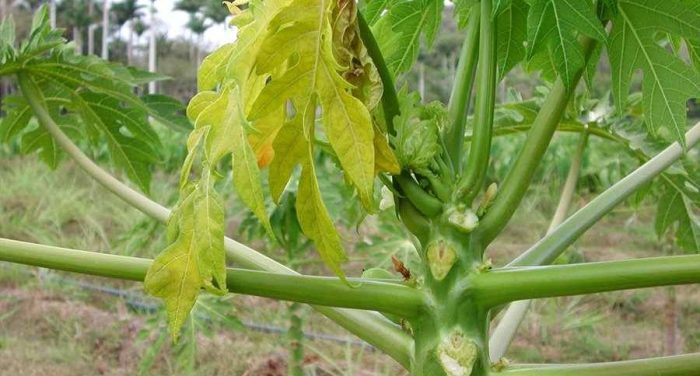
<point x="200" y="101"/>
<point x="213" y="67"/>
<point x="263" y="134"/>
<point x="384" y="158"/>
<point x="290" y="148"/>
<point x="302" y="35"/>
<point x="227" y="136"/>
<point x="194" y="259"/>
<point x="315" y="221"/>
<point x="313" y="216"/>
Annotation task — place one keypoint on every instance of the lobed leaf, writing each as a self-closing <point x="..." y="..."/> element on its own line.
<point x="411" y="22"/>
<point x="511" y="34"/>
<point x="304" y="31"/>
<point x="668" y="82"/>
<point x="194" y="259"/>
<point x="556" y="25"/>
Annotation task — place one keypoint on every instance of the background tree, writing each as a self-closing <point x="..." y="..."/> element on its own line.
<point x="203" y="15"/>
<point x="128" y="11"/>
<point x="74" y="16"/>
<point x="106" y="8"/>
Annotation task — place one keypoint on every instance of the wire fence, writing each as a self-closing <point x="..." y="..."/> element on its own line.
<point x="146" y="305"/>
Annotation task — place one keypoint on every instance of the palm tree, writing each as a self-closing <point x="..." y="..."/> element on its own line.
<point x="91" y="27"/>
<point x="200" y="13"/>
<point x="52" y="13"/>
<point x="152" y="47"/>
<point x="105" y="29"/>
<point x="215" y="11"/>
<point x="197" y="26"/>
<point x="128" y="11"/>
<point x="76" y="17"/>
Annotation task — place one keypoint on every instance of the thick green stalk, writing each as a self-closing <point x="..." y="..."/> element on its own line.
<point x="679" y="365"/>
<point x="70" y="260"/>
<point x="552" y="245"/>
<point x="510" y="284"/>
<point x="458" y="106"/>
<point x="390" y="101"/>
<point x="480" y="149"/>
<point x="518" y="180"/>
<point x="505" y="331"/>
<point x="371" y="327"/>
<point x="329" y="291"/>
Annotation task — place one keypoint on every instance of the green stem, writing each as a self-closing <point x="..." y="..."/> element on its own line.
<point x="458" y="106"/>
<point x="295" y="366"/>
<point x="422" y="200"/>
<point x="552" y="245"/>
<point x="567" y="193"/>
<point x="328" y="291"/>
<point x="35" y="99"/>
<point x="510" y="284"/>
<point x="369" y="326"/>
<point x="505" y="331"/>
<point x="390" y="101"/>
<point x="480" y="149"/>
<point x="679" y="365"/>
<point x="520" y="175"/>
<point x="564" y="126"/>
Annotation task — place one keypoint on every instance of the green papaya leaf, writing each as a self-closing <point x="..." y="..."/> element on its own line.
<point x="555" y="25"/>
<point x="417" y="134"/>
<point x="668" y="82"/>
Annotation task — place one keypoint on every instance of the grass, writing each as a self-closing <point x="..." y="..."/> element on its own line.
<point x="50" y="327"/>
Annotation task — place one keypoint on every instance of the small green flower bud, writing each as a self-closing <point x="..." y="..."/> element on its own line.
<point x="441" y="256"/>
<point x="487" y="199"/>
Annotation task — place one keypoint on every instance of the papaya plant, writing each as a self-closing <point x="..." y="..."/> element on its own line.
<point x="315" y="77"/>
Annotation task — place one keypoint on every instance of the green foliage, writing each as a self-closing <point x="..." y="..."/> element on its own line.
<point x="553" y="27"/>
<point x="511" y="33"/>
<point x="668" y="82"/>
<point x="87" y="97"/>
<point x="417" y="140"/>
<point x="401" y="26"/>
<point x="677" y="190"/>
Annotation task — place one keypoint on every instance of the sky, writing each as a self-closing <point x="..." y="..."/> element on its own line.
<point x="174" y="23"/>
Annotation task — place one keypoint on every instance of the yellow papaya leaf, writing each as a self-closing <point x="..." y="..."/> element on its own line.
<point x="194" y="259"/>
<point x="316" y="222"/>
<point x="263" y="134"/>
<point x="200" y="101"/>
<point x="213" y="67"/>
<point x="227" y="136"/>
<point x="290" y="147"/>
<point x="302" y="34"/>
<point x="384" y="158"/>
